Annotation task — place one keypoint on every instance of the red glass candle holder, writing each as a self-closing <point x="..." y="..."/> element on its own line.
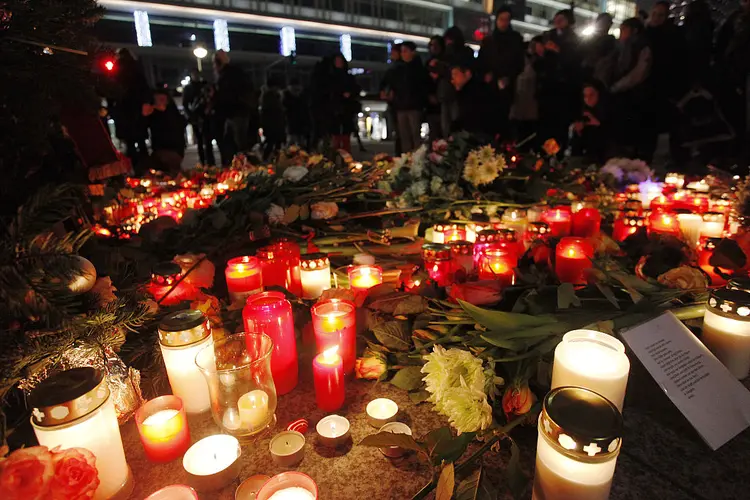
<point x="364" y="277"/>
<point x="699" y="204"/>
<point x="661" y="203"/>
<point x="663" y="223"/>
<point x="271" y="313"/>
<point x="483" y="240"/>
<point x="457" y="233"/>
<point x="244" y="278"/>
<point x="499" y="263"/>
<point x="626" y="226"/>
<point x="163" y="429"/>
<point x="632" y="206"/>
<point x="586" y="222"/>
<point x="462" y="255"/>
<point x="559" y="220"/>
<point x="437" y="262"/>
<point x="572" y="257"/>
<point x="536" y="231"/>
<point x="335" y="324"/>
<point x="441" y="232"/>
<point x="328" y="379"/>
<point x="162" y="287"/>
<point x="290" y="252"/>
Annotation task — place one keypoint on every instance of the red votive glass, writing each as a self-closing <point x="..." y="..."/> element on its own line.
<point x="663" y="223"/>
<point x="437" y="262"/>
<point x="559" y="220"/>
<point x="586" y="222"/>
<point x="499" y="263"/>
<point x="572" y="257"/>
<point x="162" y="426"/>
<point x="462" y="255"/>
<point x="244" y="278"/>
<point x="626" y="226"/>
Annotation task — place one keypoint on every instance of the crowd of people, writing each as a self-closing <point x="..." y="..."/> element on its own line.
<point x="596" y="95"/>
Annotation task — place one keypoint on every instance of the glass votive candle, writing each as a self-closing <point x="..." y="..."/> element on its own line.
<point x="594" y="361"/>
<point x="690" y="226"/>
<point x="713" y="225"/>
<point x="362" y="278"/>
<point x="213" y="462"/>
<point x="289" y="486"/>
<point x="439" y="232"/>
<point x="498" y="263"/>
<point x="335" y="324"/>
<point x="627" y="226"/>
<point x="573" y="257"/>
<point x="663" y="223"/>
<point x="162" y="426"/>
<point x="536" y="231"/>
<point x="164" y="277"/>
<point x="437" y="262"/>
<point x="675" y="180"/>
<point x="181" y="336"/>
<point x="315" y="273"/>
<point x="484" y="239"/>
<point x="586" y="222"/>
<point x="289" y="252"/>
<point x="726" y="329"/>
<point x="456" y="233"/>
<point x="244" y="278"/>
<point x="174" y="492"/>
<point x="700" y="203"/>
<point x="559" y="220"/>
<point x="579" y="439"/>
<point x="381" y="411"/>
<point x="516" y="219"/>
<point x="462" y="255"/>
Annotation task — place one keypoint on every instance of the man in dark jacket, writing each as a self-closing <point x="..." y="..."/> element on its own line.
<point x="599" y="45"/>
<point x="410" y="90"/>
<point x="472" y="98"/>
<point x="232" y="103"/>
<point x="502" y="59"/>
<point x="194" y="103"/>
<point x="386" y="94"/>
<point x="296" y="107"/>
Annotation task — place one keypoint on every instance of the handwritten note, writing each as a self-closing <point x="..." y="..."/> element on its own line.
<point x="712" y="400"/>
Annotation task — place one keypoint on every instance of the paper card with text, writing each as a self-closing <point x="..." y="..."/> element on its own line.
<point x="712" y="400"/>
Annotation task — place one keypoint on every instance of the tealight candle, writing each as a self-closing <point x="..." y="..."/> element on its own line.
<point x="699" y="186"/>
<point x="362" y="278"/>
<point x="713" y="225"/>
<point x="726" y="329"/>
<point x="663" y="223"/>
<point x="572" y="257"/>
<point x="244" y="278"/>
<point x="162" y="426"/>
<point x="174" y="492"/>
<point x="315" y="273"/>
<point x="287" y="448"/>
<point x="289" y="486"/>
<point x="335" y="324"/>
<point x="253" y="409"/>
<point x="484" y="239"/>
<point x="559" y="221"/>
<point x="594" y="361"/>
<point x="381" y="411"/>
<point x="675" y="180"/>
<point x="586" y="222"/>
<point x="690" y="226"/>
<point x="579" y="439"/>
<point x="395" y="428"/>
<point x="454" y="234"/>
<point x="213" y="462"/>
<point x="181" y="336"/>
<point x="536" y="231"/>
<point x="333" y="431"/>
<point x="328" y="378"/>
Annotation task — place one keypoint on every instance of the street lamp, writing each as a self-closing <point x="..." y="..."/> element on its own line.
<point x="200" y="52"/>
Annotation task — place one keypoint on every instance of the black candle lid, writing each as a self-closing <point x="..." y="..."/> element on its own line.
<point x="68" y="396"/>
<point x="731" y="303"/>
<point x="183" y="328"/>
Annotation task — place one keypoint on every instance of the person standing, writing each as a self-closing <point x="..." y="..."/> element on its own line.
<point x="126" y="109"/>
<point x="410" y="89"/>
<point x="456" y="52"/>
<point x="436" y="68"/>
<point x="501" y="57"/>
<point x="472" y="98"/>
<point x="296" y="107"/>
<point x="599" y="45"/>
<point x="167" y="127"/>
<point x="386" y="94"/>
<point x="194" y="102"/>
<point x="272" y="118"/>
<point x="344" y="104"/>
<point x="231" y="102"/>
<point x="524" y="113"/>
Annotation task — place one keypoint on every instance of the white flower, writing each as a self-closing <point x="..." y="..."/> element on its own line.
<point x="613" y="170"/>
<point x="446" y="368"/>
<point x="436" y="184"/>
<point x="638" y="171"/>
<point x="295" y="174"/>
<point x="275" y="214"/>
<point x="418" y="189"/>
<point x="324" y="210"/>
<point x="467" y="408"/>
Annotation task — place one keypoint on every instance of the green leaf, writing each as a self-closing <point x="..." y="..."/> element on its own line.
<point x="450" y="450"/>
<point x="435" y="436"/>
<point x="414" y="304"/>
<point x="514" y="476"/>
<point x="408" y="378"/>
<point x="393" y="335"/>
<point x="476" y="487"/>
<point x="609" y="294"/>
<point x="500" y="321"/>
<point x="446" y="483"/>
<point x="566" y="296"/>
<point x="384" y="439"/>
<point x="418" y="397"/>
<point x="291" y="214"/>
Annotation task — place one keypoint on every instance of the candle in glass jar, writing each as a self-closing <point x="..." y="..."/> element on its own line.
<point x="516" y="219"/>
<point x="335" y="324"/>
<point x="661" y="204"/>
<point x="499" y="264"/>
<point x="328" y="378"/>
<point x="536" y="231"/>
<point x="573" y="257"/>
<point x="315" y="273"/>
<point x="363" y="278"/>
<point x="648" y="191"/>
<point x="162" y="426"/>
<point x="484" y="239"/>
<point x="462" y="255"/>
<point x="726" y="329"/>
<point x="181" y="336"/>
<point x="454" y="234"/>
<point x="663" y="223"/>
<point x="579" y="439"/>
<point x="586" y="222"/>
<point x="271" y="313"/>
<point x="253" y="409"/>
<point x="213" y="462"/>
<point x="626" y="226"/>
<point x="675" y="180"/>
<point x="244" y="278"/>
<point x="437" y="262"/>
<point x="594" y="361"/>
<point x="713" y="225"/>
<point x="280" y="264"/>
<point x="559" y="221"/>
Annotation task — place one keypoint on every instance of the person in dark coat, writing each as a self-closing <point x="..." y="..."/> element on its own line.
<point x="231" y="102"/>
<point x="456" y="51"/>
<point x="501" y="58"/>
<point x="524" y="113"/>
<point x="126" y="109"/>
<point x="410" y="92"/>
<point x="320" y="101"/>
<point x="386" y="94"/>
<point x="344" y="103"/>
<point x="599" y="45"/>
<point x="167" y="129"/>
<point x="591" y="133"/>
<point x="435" y="67"/>
<point x="296" y="107"/>
<point x="272" y="118"/>
<point x="698" y="30"/>
<point x="194" y="97"/>
<point x="473" y="96"/>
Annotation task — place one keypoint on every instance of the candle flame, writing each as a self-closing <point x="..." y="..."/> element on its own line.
<point x="571" y="252"/>
<point x="330" y="354"/>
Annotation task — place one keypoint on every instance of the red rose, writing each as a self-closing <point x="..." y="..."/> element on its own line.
<point x="26" y="474"/>
<point x="518" y="400"/>
<point x="76" y="477"/>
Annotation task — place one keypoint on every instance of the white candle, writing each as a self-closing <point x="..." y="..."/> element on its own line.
<point x="592" y="360"/>
<point x="315" y="282"/>
<point x="333" y="430"/>
<point x="292" y="493"/>
<point x="690" y="225"/>
<point x="726" y="332"/>
<point x="515" y="218"/>
<point x="713" y="225"/>
<point x="253" y="408"/>
<point x="212" y="462"/>
<point x="381" y="411"/>
<point x="181" y="336"/>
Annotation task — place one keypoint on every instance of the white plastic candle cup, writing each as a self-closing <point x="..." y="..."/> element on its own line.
<point x="594" y="361"/>
<point x="395" y="428"/>
<point x="381" y="411"/>
<point x="333" y="431"/>
<point x="726" y="329"/>
<point x="213" y="462"/>
<point x="287" y="448"/>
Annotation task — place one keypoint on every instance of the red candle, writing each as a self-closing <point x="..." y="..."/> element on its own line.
<point x="162" y="426"/>
<point x="699" y="204"/>
<point x="364" y="277"/>
<point x="499" y="263"/>
<point x="633" y="206"/>
<point x="536" y="231"/>
<point x="586" y="222"/>
<point x="280" y="264"/>
<point x="573" y="257"/>
<point x="162" y="286"/>
<point x="328" y="377"/>
<point x="291" y="254"/>
<point x="437" y="262"/>
<point x="661" y="203"/>
<point x="271" y="313"/>
<point x="244" y="278"/>
<point x="483" y="241"/>
<point x="664" y="223"/>
<point x="462" y="255"/>
<point x="626" y="226"/>
<point x="335" y="324"/>
<point x="559" y="221"/>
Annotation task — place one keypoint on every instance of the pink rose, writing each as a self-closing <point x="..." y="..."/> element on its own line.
<point x="76" y="477"/>
<point x="371" y="367"/>
<point x="26" y="474"/>
<point x="518" y="400"/>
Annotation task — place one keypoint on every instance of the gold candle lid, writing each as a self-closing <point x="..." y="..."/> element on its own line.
<point x="68" y="396"/>
<point x="581" y="424"/>
<point x="183" y="328"/>
<point x="313" y="261"/>
<point x="731" y="303"/>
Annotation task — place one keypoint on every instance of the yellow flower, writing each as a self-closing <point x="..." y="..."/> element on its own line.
<point x="551" y="147"/>
<point x="486" y="153"/>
